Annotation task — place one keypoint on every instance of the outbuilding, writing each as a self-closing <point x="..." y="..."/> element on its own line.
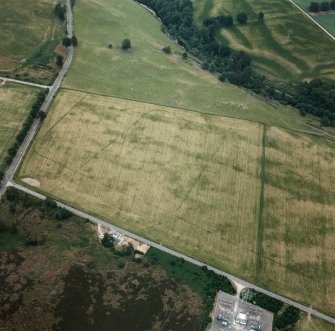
<point x="242" y="318"/>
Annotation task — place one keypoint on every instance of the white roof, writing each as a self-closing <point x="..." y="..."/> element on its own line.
<point x="242" y="317"/>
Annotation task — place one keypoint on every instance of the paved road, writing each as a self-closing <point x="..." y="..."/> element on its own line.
<point x="233" y="278"/>
<point x="23" y="82"/>
<point x="52" y="92"/>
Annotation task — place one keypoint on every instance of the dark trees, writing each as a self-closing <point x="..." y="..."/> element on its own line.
<point x="289" y="317"/>
<point x="67" y="41"/>
<point x="242" y="18"/>
<point x="324" y="6"/>
<point x="167" y="50"/>
<point x="261" y="17"/>
<point x="42" y="115"/>
<point x="217" y="22"/>
<point x="59" y="60"/>
<point x="74" y="41"/>
<point x="314" y="7"/>
<point x="60" y="11"/>
<point x="126" y="44"/>
<point x="228" y="20"/>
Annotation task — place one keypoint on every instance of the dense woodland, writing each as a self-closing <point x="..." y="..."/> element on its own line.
<point x="316" y="97"/>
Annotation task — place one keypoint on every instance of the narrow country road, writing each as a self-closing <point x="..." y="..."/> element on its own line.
<point x="233" y="278"/>
<point x="5" y="79"/>
<point x="52" y="92"/>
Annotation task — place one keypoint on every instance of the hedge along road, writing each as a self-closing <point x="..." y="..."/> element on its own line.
<point x="232" y="278"/>
<point x="49" y="98"/>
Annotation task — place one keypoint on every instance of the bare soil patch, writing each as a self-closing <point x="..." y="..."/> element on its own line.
<point x="32" y="182"/>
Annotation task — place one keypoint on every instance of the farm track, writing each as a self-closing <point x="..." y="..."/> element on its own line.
<point x="5" y="79"/>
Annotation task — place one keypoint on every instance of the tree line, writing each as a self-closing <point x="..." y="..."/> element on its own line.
<point x="316" y="7"/>
<point x="34" y="112"/>
<point x="316" y="97"/>
<point x="285" y="317"/>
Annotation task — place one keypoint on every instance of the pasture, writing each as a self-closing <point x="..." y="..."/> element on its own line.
<point x="147" y="74"/>
<point x="186" y="180"/>
<point x="15" y="103"/>
<point x="283" y="47"/>
<point x="299" y="218"/>
<point x="303" y="4"/>
<point x="311" y="323"/>
<point x="29" y="33"/>
<point x="327" y="21"/>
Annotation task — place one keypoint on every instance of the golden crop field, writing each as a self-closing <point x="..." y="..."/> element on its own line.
<point x="187" y="180"/>
<point x="299" y="218"/>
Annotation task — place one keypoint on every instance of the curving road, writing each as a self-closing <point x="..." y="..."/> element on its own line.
<point x="49" y="98"/>
<point x="233" y="278"/>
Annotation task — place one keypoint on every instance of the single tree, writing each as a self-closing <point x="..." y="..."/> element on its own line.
<point x="185" y="55"/>
<point x="59" y="60"/>
<point x="314" y="7"/>
<point x="59" y="11"/>
<point x="242" y="18"/>
<point x="67" y="41"/>
<point x="167" y="50"/>
<point x="126" y="44"/>
<point x="42" y="115"/>
<point x="74" y="41"/>
<point x="228" y="20"/>
<point x="261" y="17"/>
<point x="110" y="46"/>
<point x="332" y="5"/>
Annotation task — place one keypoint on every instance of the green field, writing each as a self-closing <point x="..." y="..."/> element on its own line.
<point x="283" y="47"/>
<point x="327" y="21"/>
<point x="193" y="182"/>
<point x="303" y="4"/>
<point x="15" y="103"/>
<point x="147" y="74"/>
<point x="29" y="33"/>
<point x="311" y="323"/>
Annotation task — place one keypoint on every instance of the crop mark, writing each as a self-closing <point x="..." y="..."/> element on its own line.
<point x="260" y="232"/>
